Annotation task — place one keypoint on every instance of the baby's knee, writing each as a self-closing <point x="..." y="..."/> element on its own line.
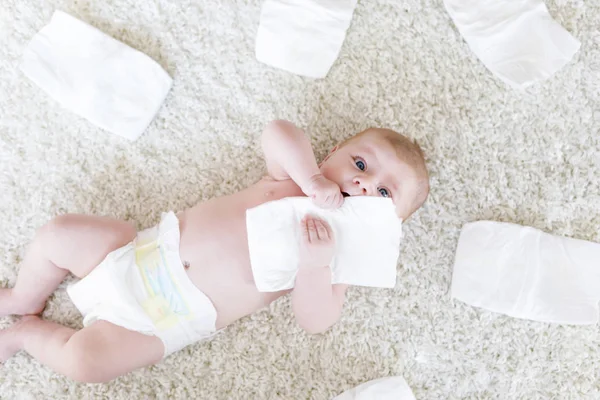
<point x="54" y="227"/>
<point x="46" y="236"/>
<point x="62" y="223"/>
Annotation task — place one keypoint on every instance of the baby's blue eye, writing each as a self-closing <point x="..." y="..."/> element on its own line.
<point x="361" y="165"/>
<point x="384" y="192"/>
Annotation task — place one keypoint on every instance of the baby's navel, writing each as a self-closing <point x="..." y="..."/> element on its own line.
<point x="186" y="265"/>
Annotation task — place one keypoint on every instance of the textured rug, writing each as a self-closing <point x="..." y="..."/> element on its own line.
<point x="531" y="158"/>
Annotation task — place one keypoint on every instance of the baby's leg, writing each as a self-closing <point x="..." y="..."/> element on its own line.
<point x="75" y="243"/>
<point x="97" y="353"/>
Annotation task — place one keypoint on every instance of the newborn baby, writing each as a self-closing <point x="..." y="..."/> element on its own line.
<point x="146" y="295"/>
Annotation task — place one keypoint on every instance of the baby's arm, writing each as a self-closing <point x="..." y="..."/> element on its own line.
<point x="317" y="304"/>
<point x="289" y="155"/>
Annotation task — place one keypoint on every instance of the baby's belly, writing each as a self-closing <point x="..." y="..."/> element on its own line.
<point x="232" y="292"/>
<point x="215" y="245"/>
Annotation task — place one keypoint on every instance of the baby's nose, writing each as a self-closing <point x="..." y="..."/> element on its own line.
<point x="363" y="187"/>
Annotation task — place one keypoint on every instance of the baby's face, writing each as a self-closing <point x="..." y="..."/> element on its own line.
<point x="369" y="166"/>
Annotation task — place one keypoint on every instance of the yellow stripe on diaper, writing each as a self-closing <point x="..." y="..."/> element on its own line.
<point x="144" y="255"/>
<point x="165" y="304"/>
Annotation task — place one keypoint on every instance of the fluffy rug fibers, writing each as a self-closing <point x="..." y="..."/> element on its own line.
<point x="530" y="157"/>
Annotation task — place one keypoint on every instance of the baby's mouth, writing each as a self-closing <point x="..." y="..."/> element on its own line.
<point x="345" y="194"/>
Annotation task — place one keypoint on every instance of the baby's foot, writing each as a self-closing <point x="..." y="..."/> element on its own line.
<point x="11" y="306"/>
<point x="11" y="339"/>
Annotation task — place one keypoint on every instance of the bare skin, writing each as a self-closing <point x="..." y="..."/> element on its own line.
<point x="209" y="233"/>
<point x="214" y="249"/>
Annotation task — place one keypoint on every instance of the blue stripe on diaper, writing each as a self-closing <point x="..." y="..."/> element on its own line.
<point x="164" y="303"/>
<point x="169" y="289"/>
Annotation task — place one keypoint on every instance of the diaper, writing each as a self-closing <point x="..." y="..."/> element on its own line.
<point x="526" y="273"/>
<point x="144" y="287"/>
<point x="303" y="37"/>
<point x="518" y="41"/>
<point x="367" y="235"/>
<point x="389" y="388"/>
<point x="113" y="86"/>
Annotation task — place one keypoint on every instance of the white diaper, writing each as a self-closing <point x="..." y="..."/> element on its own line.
<point x="367" y="238"/>
<point x="517" y="40"/>
<point x="95" y="76"/>
<point x="303" y="37"/>
<point x="143" y="287"/>
<point x="390" y="388"/>
<point x="526" y="273"/>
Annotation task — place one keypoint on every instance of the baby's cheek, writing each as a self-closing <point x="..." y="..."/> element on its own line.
<point x="402" y="208"/>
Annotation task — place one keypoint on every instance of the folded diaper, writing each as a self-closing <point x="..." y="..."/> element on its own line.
<point x="391" y="388"/>
<point x="95" y="76"/>
<point x="526" y="273"/>
<point x="303" y="37"/>
<point x="517" y="40"/>
<point x="367" y="234"/>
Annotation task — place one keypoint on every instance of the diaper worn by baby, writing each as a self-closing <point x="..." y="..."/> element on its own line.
<point x="143" y="287"/>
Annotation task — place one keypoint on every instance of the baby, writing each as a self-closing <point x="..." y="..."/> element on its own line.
<point x="146" y="295"/>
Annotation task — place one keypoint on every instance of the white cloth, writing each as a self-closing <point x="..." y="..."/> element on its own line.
<point x="143" y="287"/>
<point x="526" y="273"/>
<point x="303" y="37"/>
<point x="392" y="388"/>
<point x="95" y="76"/>
<point x="367" y="235"/>
<point x="518" y="41"/>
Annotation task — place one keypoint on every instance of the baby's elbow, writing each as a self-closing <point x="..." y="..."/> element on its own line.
<point x="276" y="129"/>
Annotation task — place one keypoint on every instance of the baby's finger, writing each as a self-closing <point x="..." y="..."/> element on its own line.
<point x="312" y="230"/>
<point x="325" y="233"/>
<point x="330" y="201"/>
<point x="339" y="200"/>
<point x="321" y="230"/>
<point x="320" y="200"/>
<point x="328" y="231"/>
<point x="304" y="230"/>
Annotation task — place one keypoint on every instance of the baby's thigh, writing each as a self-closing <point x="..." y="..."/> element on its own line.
<point x="104" y="351"/>
<point x="79" y="243"/>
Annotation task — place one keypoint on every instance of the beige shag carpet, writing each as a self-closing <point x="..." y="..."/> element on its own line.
<point x="531" y="158"/>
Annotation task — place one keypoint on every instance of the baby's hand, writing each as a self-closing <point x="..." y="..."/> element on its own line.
<point x="325" y="193"/>
<point x="317" y="244"/>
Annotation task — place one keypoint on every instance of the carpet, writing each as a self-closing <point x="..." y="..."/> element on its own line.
<point x="528" y="157"/>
